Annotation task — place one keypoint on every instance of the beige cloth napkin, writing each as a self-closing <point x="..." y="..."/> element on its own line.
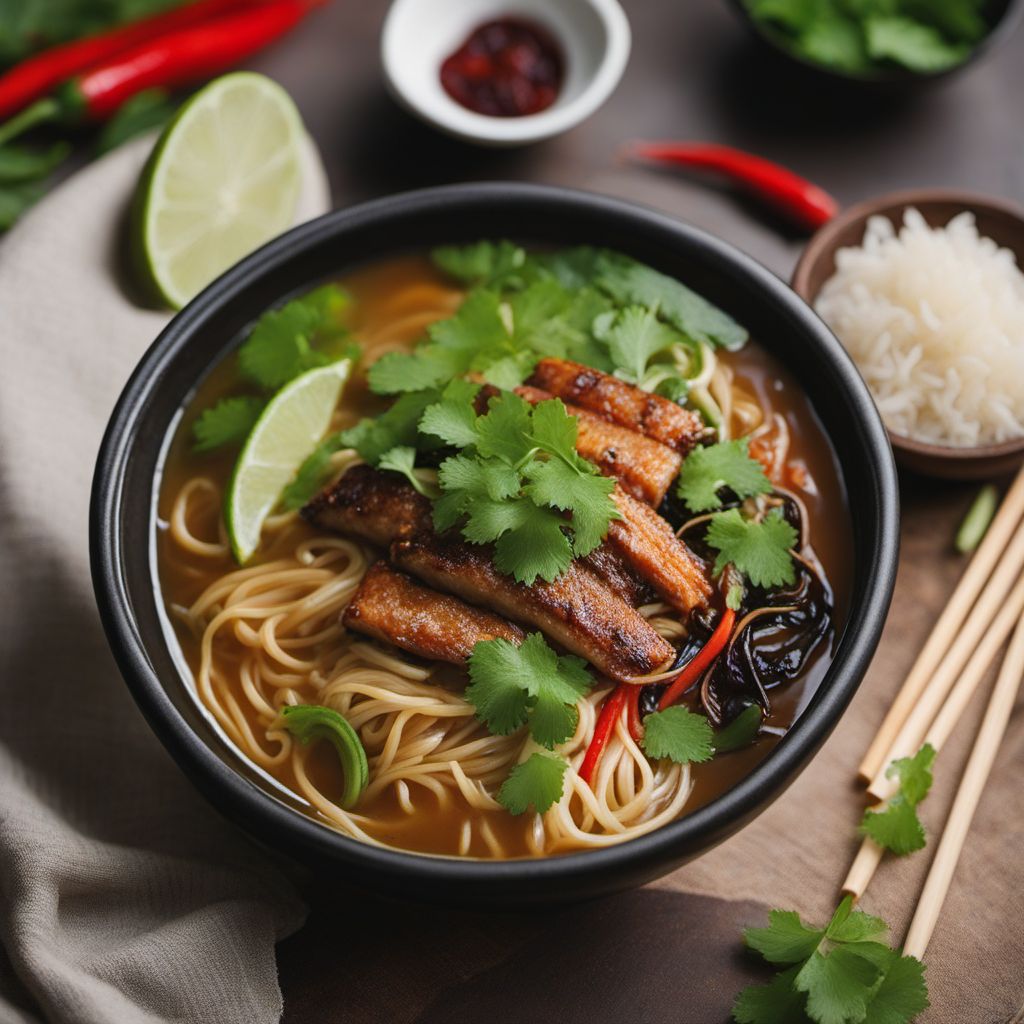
<point x="124" y="898"/>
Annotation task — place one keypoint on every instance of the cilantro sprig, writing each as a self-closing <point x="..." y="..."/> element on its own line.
<point x="530" y="685"/>
<point x="679" y="734"/>
<point x="709" y="469"/>
<point x="301" y="335"/>
<point x="757" y="548"/>
<point x="897" y="827"/>
<point x="514" y="480"/>
<point x="844" y="973"/>
<point x="537" y="782"/>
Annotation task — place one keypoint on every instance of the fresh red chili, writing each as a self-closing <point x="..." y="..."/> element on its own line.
<point x="42" y="73"/>
<point x="610" y="711"/>
<point x="800" y="200"/>
<point x="702" y="660"/>
<point x="176" y="59"/>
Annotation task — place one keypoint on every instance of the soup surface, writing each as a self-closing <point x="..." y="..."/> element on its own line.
<point x="269" y="634"/>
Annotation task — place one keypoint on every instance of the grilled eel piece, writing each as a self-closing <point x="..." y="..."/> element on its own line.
<point x="381" y="507"/>
<point x="390" y="606"/>
<point x="646" y="543"/>
<point x="375" y="506"/>
<point x="645" y="468"/>
<point x="581" y="609"/>
<point x="629" y="406"/>
<point x="578" y="610"/>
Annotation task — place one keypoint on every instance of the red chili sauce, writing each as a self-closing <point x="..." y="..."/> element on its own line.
<point x="508" y="67"/>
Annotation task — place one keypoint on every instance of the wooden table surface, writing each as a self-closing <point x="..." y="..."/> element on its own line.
<point x="693" y="74"/>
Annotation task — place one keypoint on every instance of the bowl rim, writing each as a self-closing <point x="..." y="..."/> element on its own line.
<point x="887" y="77"/>
<point x="824" y="241"/>
<point x="483" y="129"/>
<point x="254" y="808"/>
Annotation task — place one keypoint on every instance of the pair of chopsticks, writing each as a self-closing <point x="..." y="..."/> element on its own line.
<point x="986" y="607"/>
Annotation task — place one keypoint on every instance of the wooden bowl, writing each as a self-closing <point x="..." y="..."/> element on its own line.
<point x="1000" y="220"/>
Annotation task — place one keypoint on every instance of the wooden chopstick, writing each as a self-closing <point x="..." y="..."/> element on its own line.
<point x="979" y="765"/>
<point x="946" y="627"/>
<point x="870" y="854"/>
<point x="985" y="612"/>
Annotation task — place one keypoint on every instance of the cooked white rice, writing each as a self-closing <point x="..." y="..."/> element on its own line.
<point x="934" y="319"/>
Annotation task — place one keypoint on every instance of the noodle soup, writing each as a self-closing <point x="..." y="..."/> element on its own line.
<point x="269" y="634"/>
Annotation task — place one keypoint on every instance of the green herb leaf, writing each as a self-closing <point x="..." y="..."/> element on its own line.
<point x="491" y="264"/>
<point x="634" y="336"/>
<point x="281" y="345"/>
<point x="536" y="783"/>
<point x="396" y="426"/>
<point x="631" y="282"/>
<point x="228" y="422"/>
<point x="835" y="40"/>
<point x="897" y="827"/>
<point x="146" y="111"/>
<point x="679" y="734"/>
<point x="740" y="732"/>
<point x="841" y="974"/>
<point x="21" y="164"/>
<point x="313" y="473"/>
<point x="402" y="459"/>
<point x="760" y="550"/>
<point x="918" y="47"/>
<point x="706" y="470"/>
<point x="536" y="547"/>
<point x="512" y="685"/>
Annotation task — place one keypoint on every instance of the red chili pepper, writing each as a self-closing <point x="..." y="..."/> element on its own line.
<point x="610" y="711"/>
<point x="38" y="75"/>
<point x="702" y="660"/>
<point x="176" y="59"/>
<point x="798" y="199"/>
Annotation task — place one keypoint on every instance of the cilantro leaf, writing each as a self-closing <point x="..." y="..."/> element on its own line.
<point x="838" y="986"/>
<point x="510" y="686"/>
<point x="836" y="40"/>
<point x="396" y="426"/>
<point x="536" y="546"/>
<point x="227" y="422"/>
<point x="760" y="550"/>
<point x="504" y="432"/>
<point x="897" y="827"/>
<point x="841" y="974"/>
<point x="467" y="482"/>
<point x="145" y="111"/>
<point x="538" y="782"/>
<point x="630" y="282"/>
<point x="313" y="473"/>
<point x="905" y="41"/>
<point x="428" y="367"/>
<point x="678" y="734"/>
<point x="778" y="1002"/>
<point x="453" y="419"/>
<point x="563" y="486"/>
<point x="634" y="335"/>
<point x="706" y="470"/>
<point x="281" y="345"/>
<point x="482" y="263"/>
<point x="901" y="996"/>
<point x="402" y="459"/>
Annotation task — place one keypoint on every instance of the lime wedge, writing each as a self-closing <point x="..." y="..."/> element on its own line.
<point x="290" y="427"/>
<point x="223" y="179"/>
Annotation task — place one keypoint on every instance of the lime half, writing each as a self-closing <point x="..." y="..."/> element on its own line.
<point x="290" y="427"/>
<point x="223" y="179"/>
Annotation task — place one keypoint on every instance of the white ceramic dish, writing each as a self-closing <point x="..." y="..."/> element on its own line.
<point x="419" y="34"/>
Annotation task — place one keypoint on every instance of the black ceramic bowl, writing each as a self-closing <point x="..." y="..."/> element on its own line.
<point x="1002" y="17"/>
<point x="122" y="519"/>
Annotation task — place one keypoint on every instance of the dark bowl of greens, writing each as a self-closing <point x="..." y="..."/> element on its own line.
<point x="124" y="523"/>
<point x="885" y="44"/>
